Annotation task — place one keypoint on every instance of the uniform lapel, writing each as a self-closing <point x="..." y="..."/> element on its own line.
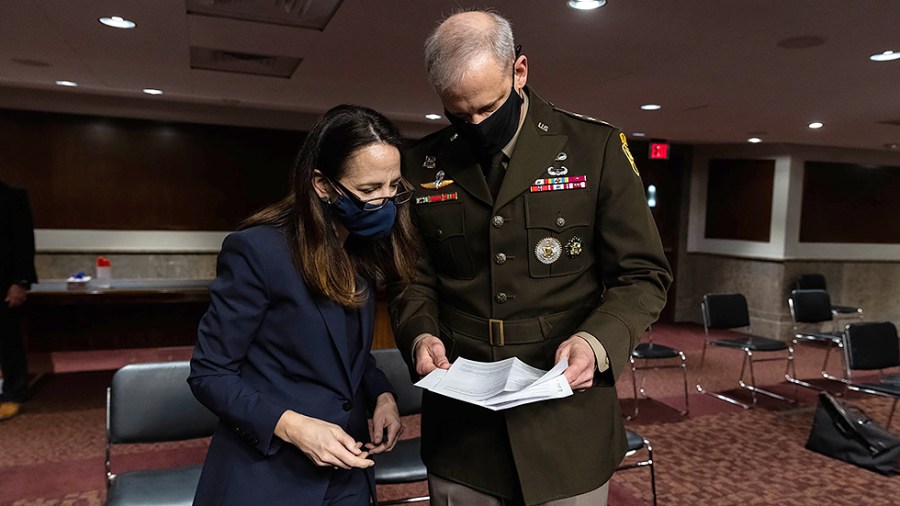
<point x="335" y="320"/>
<point x="534" y="152"/>
<point x="458" y="161"/>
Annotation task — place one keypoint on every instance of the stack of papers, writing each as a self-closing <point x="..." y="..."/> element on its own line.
<point x="498" y="385"/>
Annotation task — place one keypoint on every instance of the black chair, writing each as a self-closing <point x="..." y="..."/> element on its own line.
<point x="635" y="443"/>
<point x="873" y="346"/>
<point x="727" y="312"/>
<point x="404" y="463"/>
<point x="152" y="403"/>
<point x="813" y="308"/>
<point x="817" y="282"/>
<point x="652" y="352"/>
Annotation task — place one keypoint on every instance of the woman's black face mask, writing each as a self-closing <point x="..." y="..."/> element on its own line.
<point x="494" y="132"/>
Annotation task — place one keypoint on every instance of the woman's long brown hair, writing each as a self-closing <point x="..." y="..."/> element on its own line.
<point x="327" y="266"/>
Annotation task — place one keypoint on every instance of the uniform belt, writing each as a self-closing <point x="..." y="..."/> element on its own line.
<point x="521" y="331"/>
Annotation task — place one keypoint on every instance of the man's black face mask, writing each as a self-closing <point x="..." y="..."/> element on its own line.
<point x="495" y="132"/>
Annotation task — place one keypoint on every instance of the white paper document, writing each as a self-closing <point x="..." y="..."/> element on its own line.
<point x="498" y="385"/>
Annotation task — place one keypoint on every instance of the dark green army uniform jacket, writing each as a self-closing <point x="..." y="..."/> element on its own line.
<point x="519" y="275"/>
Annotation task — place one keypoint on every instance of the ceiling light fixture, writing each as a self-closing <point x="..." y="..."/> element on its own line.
<point x="586" y="5"/>
<point x="433" y="116"/>
<point x="67" y="83"/>
<point x="639" y="134"/>
<point x="651" y="107"/>
<point x="754" y="140"/>
<point x="117" y="22"/>
<point x="815" y="125"/>
<point x="886" y="56"/>
<point x="152" y="91"/>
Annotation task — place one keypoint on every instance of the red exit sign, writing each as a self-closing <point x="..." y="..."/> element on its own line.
<point x="659" y="151"/>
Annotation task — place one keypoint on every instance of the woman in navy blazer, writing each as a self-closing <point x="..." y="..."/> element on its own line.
<point x="283" y="353"/>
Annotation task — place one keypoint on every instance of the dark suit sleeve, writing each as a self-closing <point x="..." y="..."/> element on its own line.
<point x="22" y="235"/>
<point x="239" y="298"/>
<point x="374" y="383"/>
<point x="635" y="271"/>
<point x="414" y="308"/>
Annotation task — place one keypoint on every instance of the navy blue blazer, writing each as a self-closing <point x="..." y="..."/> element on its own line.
<point x="267" y="345"/>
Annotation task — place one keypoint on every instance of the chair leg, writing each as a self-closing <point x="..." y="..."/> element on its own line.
<point x="755" y="389"/>
<point x="714" y="394"/>
<point x="687" y="407"/>
<point x="790" y="373"/>
<point x="891" y="415"/>
<point x="634" y="387"/>
<point x="652" y="470"/>
<point x="825" y="374"/>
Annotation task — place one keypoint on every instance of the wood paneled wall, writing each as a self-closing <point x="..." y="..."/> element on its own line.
<point x="850" y="203"/>
<point x="88" y="172"/>
<point x="739" y="199"/>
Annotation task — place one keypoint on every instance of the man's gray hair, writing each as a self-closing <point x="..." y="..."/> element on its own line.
<point x="453" y="45"/>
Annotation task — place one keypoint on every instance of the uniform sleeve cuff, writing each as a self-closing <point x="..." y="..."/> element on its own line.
<point x="602" y="359"/>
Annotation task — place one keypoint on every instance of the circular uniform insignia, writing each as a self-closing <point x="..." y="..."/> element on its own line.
<point x="574" y="247"/>
<point x="548" y="250"/>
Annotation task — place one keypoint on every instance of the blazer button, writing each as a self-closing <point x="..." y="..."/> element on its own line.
<point x="501" y="297"/>
<point x="500" y="259"/>
<point x="560" y="222"/>
<point x="497" y="221"/>
<point x="347" y="406"/>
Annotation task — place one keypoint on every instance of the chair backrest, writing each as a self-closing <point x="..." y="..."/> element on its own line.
<point x="871" y="345"/>
<point x="725" y="311"/>
<point x="810" y="306"/>
<point x="811" y="282"/>
<point x="150" y="403"/>
<point x="409" y="397"/>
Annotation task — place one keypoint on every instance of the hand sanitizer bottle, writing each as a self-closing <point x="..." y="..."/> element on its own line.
<point x="104" y="273"/>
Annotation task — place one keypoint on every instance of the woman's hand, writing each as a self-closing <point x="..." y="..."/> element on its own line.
<point x="385" y="428"/>
<point x="326" y="444"/>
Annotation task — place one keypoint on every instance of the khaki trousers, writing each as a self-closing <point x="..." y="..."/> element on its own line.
<point x="448" y="493"/>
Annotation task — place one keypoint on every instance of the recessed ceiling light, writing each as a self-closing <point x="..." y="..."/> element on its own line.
<point x="117" y="22"/>
<point x="152" y="91"/>
<point x="651" y="107"/>
<point x="586" y="5"/>
<point x="638" y="134"/>
<point x="754" y="140"/>
<point x="886" y="56"/>
<point x="815" y="125"/>
<point x="67" y="83"/>
<point x="433" y="116"/>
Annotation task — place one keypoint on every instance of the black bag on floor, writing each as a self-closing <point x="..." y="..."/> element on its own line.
<point x="847" y="434"/>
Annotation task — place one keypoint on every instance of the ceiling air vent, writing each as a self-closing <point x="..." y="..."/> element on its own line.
<point x="243" y="63"/>
<point x="302" y="13"/>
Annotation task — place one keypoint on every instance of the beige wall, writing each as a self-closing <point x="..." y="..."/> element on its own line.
<point x="57" y="266"/>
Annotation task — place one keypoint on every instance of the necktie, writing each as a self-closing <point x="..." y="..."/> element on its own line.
<point x="493" y="172"/>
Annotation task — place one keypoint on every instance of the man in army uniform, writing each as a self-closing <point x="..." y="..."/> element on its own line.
<point x="538" y="245"/>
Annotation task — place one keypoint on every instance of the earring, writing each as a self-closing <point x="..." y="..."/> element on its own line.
<point x="325" y="200"/>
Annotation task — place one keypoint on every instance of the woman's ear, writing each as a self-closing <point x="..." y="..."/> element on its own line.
<point x="323" y="189"/>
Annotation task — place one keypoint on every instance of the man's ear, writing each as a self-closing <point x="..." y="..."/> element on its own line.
<point x="521" y="72"/>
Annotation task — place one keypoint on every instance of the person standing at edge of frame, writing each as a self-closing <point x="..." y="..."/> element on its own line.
<point x="17" y="274"/>
<point x="283" y="353"/>
<point x="539" y="245"/>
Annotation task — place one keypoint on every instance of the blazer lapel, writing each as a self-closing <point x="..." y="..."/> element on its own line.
<point x="335" y="320"/>
<point x="535" y="151"/>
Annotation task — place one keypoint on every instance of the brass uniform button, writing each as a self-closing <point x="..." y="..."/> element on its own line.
<point x="501" y="298"/>
<point x="497" y="221"/>
<point x="500" y="259"/>
<point x="560" y="222"/>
